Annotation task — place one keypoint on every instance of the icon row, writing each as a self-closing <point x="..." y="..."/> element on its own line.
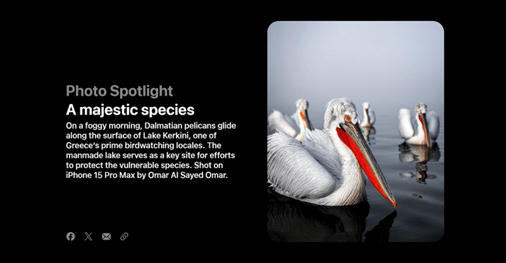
<point x="105" y="236"/>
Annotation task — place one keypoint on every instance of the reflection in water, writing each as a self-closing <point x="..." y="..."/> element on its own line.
<point x="367" y="131"/>
<point x="380" y="233"/>
<point x="289" y="220"/>
<point x="421" y="154"/>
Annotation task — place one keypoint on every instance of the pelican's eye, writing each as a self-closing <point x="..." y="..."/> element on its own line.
<point x="347" y="118"/>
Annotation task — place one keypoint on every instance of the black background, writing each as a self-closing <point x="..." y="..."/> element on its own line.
<point x="209" y="67"/>
<point x="219" y="66"/>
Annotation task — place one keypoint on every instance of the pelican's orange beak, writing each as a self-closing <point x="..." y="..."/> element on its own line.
<point x="303" y="116"/>
<point x="351" y="135"/>
<point x="423" y="119"/>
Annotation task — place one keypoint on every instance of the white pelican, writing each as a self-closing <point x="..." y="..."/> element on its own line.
<point x="325" y="168"/>
<point x="426" y="127"/>
<point x="369" y="117"/>
<point x="294" y="126"/>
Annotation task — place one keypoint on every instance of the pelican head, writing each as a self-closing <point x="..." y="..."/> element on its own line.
<point x="336" y="111"/>
<point x="365" y="105"/>
<point x="302" y="106"/>
<point x="341" y="122"/>
<point x="421" y="114"/>
<point x="421" y="108"/>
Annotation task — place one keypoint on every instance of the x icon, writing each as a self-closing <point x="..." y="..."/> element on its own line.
<point x="88" y="236"/>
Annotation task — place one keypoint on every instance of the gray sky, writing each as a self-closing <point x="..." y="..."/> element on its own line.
<point x="391" y="65"/>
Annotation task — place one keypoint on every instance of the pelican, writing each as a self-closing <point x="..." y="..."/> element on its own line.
<point x="369" y="117"/>
<point x="325" y="168"/>
<point x="294" y="126"/>
<point x="426" y="127"/>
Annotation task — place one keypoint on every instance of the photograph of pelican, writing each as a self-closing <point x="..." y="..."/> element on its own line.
<point x="355" y="127"/>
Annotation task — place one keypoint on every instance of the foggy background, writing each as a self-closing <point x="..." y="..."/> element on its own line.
<point x="391" y="65"/>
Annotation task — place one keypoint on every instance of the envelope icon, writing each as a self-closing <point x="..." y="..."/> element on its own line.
<point x="106" y="236"/>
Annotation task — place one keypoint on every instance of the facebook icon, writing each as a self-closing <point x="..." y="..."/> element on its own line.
<point x="70" y="236"/>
